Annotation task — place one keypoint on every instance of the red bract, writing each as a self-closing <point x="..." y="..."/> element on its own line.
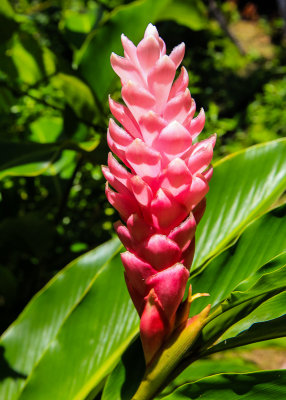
<point x="162" y="198"/>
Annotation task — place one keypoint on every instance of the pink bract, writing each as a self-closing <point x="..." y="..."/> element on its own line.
<point x="162" y="198"/>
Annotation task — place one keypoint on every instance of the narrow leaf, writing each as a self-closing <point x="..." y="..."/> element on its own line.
<point x="266" y="330"/>
<point x="255" y="386"/>
<point x="239" y="304"/>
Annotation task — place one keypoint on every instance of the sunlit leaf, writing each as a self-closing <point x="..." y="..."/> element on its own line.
<point x="72" y="314"/>
<point x="243" y="186"/>
<point x="262" y="240"/>
<point x="46" y="129"/>
<point x="27" y="61"/>
<point x="259" y="331"/>
<point x="77" y="95"/>
<point x="187" y="13"/>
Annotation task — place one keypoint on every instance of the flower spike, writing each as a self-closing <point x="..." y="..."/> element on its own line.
<point x="162" y="197"/>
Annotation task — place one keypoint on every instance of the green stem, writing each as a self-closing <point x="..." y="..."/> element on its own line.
<point x="158" y="372"/>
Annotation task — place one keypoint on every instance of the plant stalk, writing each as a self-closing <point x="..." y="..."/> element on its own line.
<point x="158" y="372"/>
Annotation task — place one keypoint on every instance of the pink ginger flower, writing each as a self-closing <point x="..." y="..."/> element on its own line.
<point x="161" y="196"/>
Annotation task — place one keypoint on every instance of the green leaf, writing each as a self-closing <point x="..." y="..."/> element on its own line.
<point x="207" y="367"/>
<point x="244" y="185"/>
<point x="240" y="303"/>
<point x="81" y="22"/>
<point x="33" y="159"/>
<point x="7" y="21"/>
<point x="261" y="241"/>
<point x="27" y="60"/>
<point x="7" y="99"/>
<point x="63" y="167"/>
<point x="270" y="310"/>
<point x="265" y="323"/>
<point x="186" y="12"/>
<point x="124" y="380"/>
<point x="255" y="386"/>
<point x="78" y="309"/>
<point x="132" y="20"/>
<point x="26" y="159"/>
<point x="77" y="95"/>
<point x="6" y="9"/>
<point x="90" y="342"/>
<point x="275" y="328"/>
<point x="51" y="128"/>
<point x="76" y="24"/>
<point x="46" y="129"/>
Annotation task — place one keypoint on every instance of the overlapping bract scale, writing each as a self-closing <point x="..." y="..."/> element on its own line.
<point x="160" y="194"/>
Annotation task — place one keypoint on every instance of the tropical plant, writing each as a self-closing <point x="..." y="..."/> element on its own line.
<point x="78" y="338"/>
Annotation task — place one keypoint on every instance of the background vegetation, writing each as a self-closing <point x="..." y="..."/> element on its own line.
<point x="54" y="81"/>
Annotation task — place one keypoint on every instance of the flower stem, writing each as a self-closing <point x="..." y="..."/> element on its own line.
<point x="163" y="365"/>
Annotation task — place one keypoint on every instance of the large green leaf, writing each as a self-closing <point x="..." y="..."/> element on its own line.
<point x="264" y="385"/>
<point x="78" y="309"/>
<point x="261" y="241"/>
<point x="131" y="19"/>
<point x="244" y="185"/>
<point x="90" y="342"/>
<point x="264" y="323"/>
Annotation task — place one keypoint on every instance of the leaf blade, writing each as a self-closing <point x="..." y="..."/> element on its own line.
<point x="256" y="386"/>
<point x="89" y="343"/>
<point x="24" y="345"/>
<point x="241" y="303"/>
<point x="244" y="198"/>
